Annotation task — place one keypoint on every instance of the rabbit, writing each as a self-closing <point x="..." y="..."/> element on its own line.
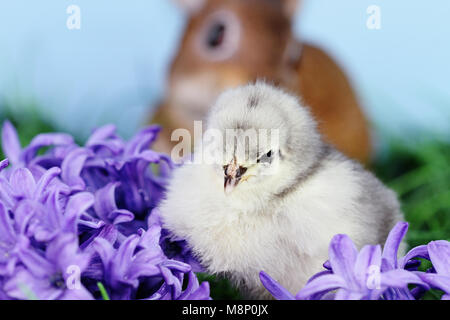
<point x="228" y="43"/>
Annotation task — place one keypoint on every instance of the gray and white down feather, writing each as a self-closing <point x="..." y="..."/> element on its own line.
<point x="282" y="212"/>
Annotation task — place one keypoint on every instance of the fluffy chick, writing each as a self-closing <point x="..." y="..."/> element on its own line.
<point x="273" y="208"/>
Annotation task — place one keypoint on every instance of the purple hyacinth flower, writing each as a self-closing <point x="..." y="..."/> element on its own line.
<point x="37" y="205"/>
<point x="11" y="243"/>
<point x="55" y="220"/>
<point x="71" y="168"/>
<point x="439" y="253"/>
<point x="357" y="275"/>
<point x="122" y="267"/>
<point x="391" y="250"/>
<point x="56" y="275"/>
<point x="172" y="272"/>
<point x="106" y="217"/>
<point x="390" y="261"/>
<point x="106" y="208"/>
<point x="392" y="245"/>
<point x="194" y="290"/>
<point x="44" y="140"/>
<point x="176" y="249"/>
<point x="367" y="274"/>
<point x="128" y="163"/>
<point x="174" y="275"/>
<point x="105" y="143"/>
<point x="22" y="185"/>
<point x="23" y="157"/>
<point x="87" y="207"/>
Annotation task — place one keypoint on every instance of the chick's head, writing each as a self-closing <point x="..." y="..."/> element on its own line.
<point x="265" y="138"/>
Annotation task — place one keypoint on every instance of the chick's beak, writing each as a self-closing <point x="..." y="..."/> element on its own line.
<point x="233" y="175"/>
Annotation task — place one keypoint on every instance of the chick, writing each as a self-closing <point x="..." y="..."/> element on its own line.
<point x="276" y="204"/>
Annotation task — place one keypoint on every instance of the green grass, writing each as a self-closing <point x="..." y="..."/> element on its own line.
<point x="221" y="289"/>
<point x="420" y="174"/>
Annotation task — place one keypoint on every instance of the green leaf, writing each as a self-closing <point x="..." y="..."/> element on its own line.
<point x="103" y="292"/>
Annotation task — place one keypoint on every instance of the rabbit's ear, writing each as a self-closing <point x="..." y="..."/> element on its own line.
<point x="290" y="7"/>
<point x="190" y="5"/>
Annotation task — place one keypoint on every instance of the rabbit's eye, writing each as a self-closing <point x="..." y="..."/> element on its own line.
<point x="220" y="36"/>
<point x="216" y="35"/>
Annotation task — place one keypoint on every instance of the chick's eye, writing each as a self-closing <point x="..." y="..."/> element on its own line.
<point x="216" y="35"/>
<point x="265" y="158"/>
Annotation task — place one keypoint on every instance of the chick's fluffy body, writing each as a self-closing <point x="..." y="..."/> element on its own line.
<point x="282" y="223"/>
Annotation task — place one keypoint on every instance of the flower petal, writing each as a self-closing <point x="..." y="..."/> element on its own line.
<point x="343" y="253"/>
<point x="172" y="281"/>
<point x="6" y="225"/>
<point x="24" y="212"/>
<point x="104" y="249"/>
<point x="137" y="270"/>
<point x="368" y="257"/>
<point x="150" y="238"/>
<point x="45" y="180"/>
<point x="35" y="263"/>
<point x="319" y="274"/>
<point x="10" y="142"/>
<point x="105" y="201"/>
<point x="22" y="183"/>
<point x="64" y="252"/>
<point x="124" y="255"/>
<point x="399" y="278"/>
<point x="417" y="252"/>
<point x="6" y="193"/>
<point x="191" y="286"/>
<point x="327" y="265"/>
<point x="44" y="140"/>
<point x="121" y="216"/>
<point x="101" y="134"/>
<point x="142" y="140"/>
<point x="71" y="168"/>
<point x="436" y="281"/>
<point x="24" y="285"/>
<point x="76" y="205"/>
<point x="393" y="242"/>
<point x="344" y="294"/>
<point x="196" y="292"/>
<point x="148" y="156"/>
<point x="3" y="164"/>
<point x="321" y="284"/>
<point x="177" y="265"/>
<point x="439" y="252"/>
<point x="275" y="289"/>
<point x="77" y="294"/>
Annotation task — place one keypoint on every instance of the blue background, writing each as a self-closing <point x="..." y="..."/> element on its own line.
<point x="114" y="68"/>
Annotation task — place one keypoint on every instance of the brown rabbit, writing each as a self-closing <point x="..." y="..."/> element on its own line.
<point x="232" y="42"/>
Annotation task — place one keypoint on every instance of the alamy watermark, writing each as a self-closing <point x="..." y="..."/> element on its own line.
<point x="215" y="146"/>
<point x="373" y="281"/>
<point x="73" y="21"/>
<point x="73" y="280"/>
<point x="374" y="20"/>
